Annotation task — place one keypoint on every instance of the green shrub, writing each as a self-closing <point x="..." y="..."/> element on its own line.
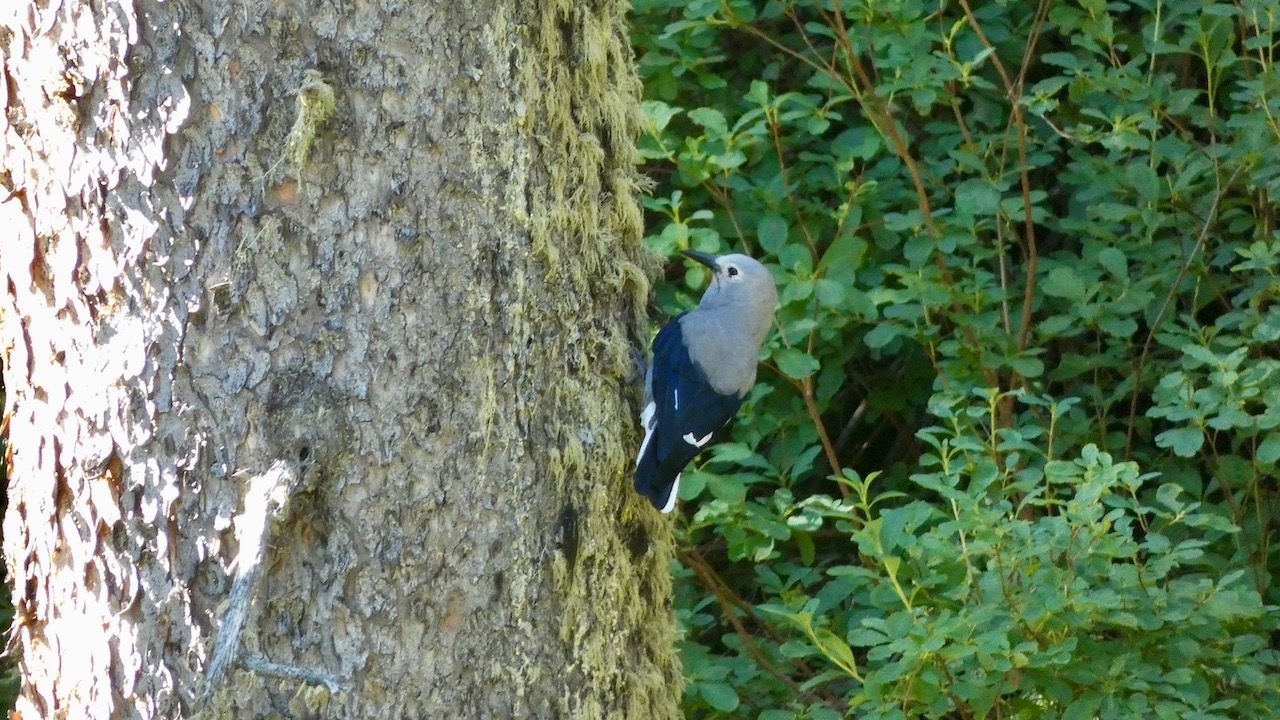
<point x="1027" y="258"/>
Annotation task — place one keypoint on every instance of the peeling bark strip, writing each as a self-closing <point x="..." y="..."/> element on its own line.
<point x="387" y="373"/>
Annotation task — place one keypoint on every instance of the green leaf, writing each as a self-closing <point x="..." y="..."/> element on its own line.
<point x="1083" y="708"/>
<point x="834" y="648"/>
<point x="804" y="543"/>
<point x="860" y="142"/>
<point x="1063" y="282"/>
<point x="977" y="197"/>
<point x="796" y="258"/>
<point x="1251" y="675"/>
<point x="1066" y="61"/>
<point x="1027" y="367"/>
<point x="710" y="119"/>
<point x="692" y="483"/>
<point x="1168" y="495"/>
<point x="1113" y="261"/>
<point x="919" y="248"/>
<point x="759" y="93"/>
<point x="795" y="364"/>
<point x="882" y="335"/>
<point x="658" y="114"/>
<point x="843" y="258"/>
<point x="738" y="453"/>
<point x="1122" y="327"/>
<point x="862" y="307"/>
<point x="720" y="696"/>
<point x="1184" y="441"/>
<point x="727" y="488"/>
<point x="796" y="290"/>
<point x="1269" y="448"/>
<point x="771" y="231"/>
<point x="1145" y="181"/>
<point x="1199" y="356"/>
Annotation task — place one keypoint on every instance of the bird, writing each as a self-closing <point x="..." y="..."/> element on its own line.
<point x="703" y="366"/>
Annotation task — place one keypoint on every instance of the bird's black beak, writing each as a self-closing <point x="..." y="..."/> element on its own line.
<point x="704" y="258"/>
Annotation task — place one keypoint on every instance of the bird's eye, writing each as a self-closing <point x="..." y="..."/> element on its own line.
<point x="733" y="271"/>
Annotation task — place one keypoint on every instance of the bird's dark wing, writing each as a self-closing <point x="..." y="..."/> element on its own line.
<point x="686" y="411"/>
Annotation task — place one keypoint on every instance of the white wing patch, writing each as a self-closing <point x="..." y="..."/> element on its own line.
<point x="671" y="499"/>
<point x="646" y="422"/>
<point x="675" y="395"/>
<point x="689" y="438"/>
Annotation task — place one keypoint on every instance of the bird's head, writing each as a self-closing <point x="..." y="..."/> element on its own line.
<point x="737" y="281"/>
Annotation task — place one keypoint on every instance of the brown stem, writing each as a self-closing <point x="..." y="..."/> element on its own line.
<point x="1014" y="94"/>
<point x="729" y="604"/>
<point x="1164" y="307"/>
<point x="786" y="186"/>
<point x="806" y="390"/>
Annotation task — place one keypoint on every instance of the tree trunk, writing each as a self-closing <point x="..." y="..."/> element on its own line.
<point x="317" y="331"/>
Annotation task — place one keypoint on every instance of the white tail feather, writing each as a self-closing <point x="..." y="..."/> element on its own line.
<point x="671" y="499"/>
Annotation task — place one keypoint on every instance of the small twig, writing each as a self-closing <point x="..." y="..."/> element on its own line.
<point x="847" y="433"/>
<point x="1004" y="278"/>
<point x="721" y="196"/>
<point x="786" y="186"/>
<point x="729" y="600"/>
<point x="266" y="497"/>
<point x="263" y="666"/>
<point x="806" y="391"/>
<point x="748" y="641"/>
<point x="1164" y="306"/>
<point x="1014" y="94"/>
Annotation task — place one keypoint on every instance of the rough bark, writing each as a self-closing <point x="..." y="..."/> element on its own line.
<point x="357" y="385"/>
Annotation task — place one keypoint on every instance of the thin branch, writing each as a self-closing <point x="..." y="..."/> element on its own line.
<point x="728" y="602"/>
<point x="1168" y="300"/>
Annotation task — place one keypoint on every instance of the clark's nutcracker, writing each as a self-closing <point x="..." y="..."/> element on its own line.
<point x="704" y="364"/>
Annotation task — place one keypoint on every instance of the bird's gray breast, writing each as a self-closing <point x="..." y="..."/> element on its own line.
<point x="722" y="347"/>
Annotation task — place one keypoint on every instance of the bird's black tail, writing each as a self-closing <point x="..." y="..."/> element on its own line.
<point x="661" y="487"/>
<point x="658" y="483"/>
